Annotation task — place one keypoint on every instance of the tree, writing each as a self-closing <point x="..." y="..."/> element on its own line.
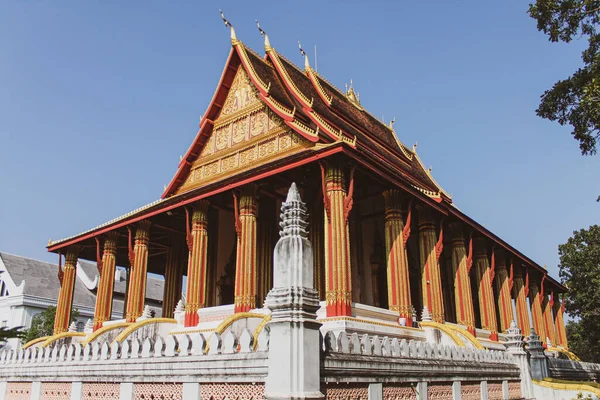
<point x="576" y="100"/>
<point x="579" y="270"/>
<point x="42" y="324"/>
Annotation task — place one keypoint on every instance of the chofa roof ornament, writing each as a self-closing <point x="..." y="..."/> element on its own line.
<point x="264" y="35"/>
<point x="228" y="25"/>
<point x="352" y="95"/>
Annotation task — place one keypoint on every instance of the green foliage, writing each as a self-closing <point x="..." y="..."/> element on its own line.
<point x="42" y="324"/>
<point x="11" y="333"/>
<point x="576" y="100"/>
<point x="580" y="272"/>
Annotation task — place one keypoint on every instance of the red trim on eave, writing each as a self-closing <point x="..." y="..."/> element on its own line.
<point x="326" y="153"/>
<point x="186" y="162"/>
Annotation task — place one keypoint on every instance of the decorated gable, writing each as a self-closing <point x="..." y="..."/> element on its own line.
<point x="246" y="134"/>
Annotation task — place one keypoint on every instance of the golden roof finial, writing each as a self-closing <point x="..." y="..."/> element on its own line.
<point x="392" y="122"/>
<point x="415" y="146"/>
<point x="49" y="241"/>
<point x="264" y="34"/>
<point x="306" y="63"/>
<point x="228" y="25"/>
<point x="351" y="94"/>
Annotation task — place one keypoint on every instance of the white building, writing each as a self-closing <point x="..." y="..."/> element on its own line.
<point x="27" y="287"/>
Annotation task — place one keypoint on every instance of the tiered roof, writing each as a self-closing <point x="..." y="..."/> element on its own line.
<point x="320" y="113"/>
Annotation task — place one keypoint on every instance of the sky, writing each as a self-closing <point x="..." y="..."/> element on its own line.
<point x="99" y="99"/>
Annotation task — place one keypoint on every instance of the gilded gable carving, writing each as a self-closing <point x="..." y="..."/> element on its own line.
<point x="246" y="134"/>
<point x="241" y="95"/>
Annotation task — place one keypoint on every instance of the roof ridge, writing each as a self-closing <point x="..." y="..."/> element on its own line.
<point x="2" y="253"/>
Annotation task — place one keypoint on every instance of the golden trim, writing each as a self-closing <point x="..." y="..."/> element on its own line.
<point x="367" y="321"/>
<point x="571" y="355"/>
<point x="474" y="341"/>
<point x="244" y="112"/>
<point x="327" y="98"/>
<point x="283" y="109"/>
<point x="304" y="128"/>
<point x="289" y="79"/>
<point x="227" y="322"/>
<point x="259" y="328"/>
<point x="136" y="325"/>
<point x="428" y="193"/>
<point x="204" y="160"/>
<point x="441" y="190"/>
<point x="250" y="68"/>
<point x="444" y="328"/>
<point x="568" y="385"/>
<point x="34" y="341"/>
<point x="54" y="338"/>
<point x="102" y="330"/>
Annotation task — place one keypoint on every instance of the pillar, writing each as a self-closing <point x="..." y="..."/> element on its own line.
<point x="397" y="263"/>
<point x="104" y="296"/>
<point x="503" y="286"/>
<point x="535" y="300"/>
<point x="430" y="249"/>
<point x="266" y="238"/>
<point x="293" y="365"/>
<point x="338" y="278"/>
<point x="461" y="266"/>
<point x="173" y="276"/>
<point x="197" y="263"/>
<point x="521" y="291"/>
<point x="315" y="235"/>
<point x="138" y="272"/>
<point x="547" y="303"/>
<point x="559" y="324"/>
<point x="484" y="276"/>
<point x="245" y="266"/>
<point x="66" y="277"/>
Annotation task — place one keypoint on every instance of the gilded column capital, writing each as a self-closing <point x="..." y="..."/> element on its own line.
<point x="110" y="243"/>
<point x="71" y="257"/>
<point x="480" y="246"/>
<point x="142" y="233"/>
<point x="425" y="218"/>
<point x="500" y="259"/>
<point x="457" y="235"/>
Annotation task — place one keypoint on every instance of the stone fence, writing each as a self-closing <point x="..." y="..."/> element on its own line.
<point x="182" y="358"/>
<point x="573" y="370"/>
<point x="370" y="358"/>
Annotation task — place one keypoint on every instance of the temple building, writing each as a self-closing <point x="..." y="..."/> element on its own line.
<point x="307" y="253"/>
<point x="388" y="239"/>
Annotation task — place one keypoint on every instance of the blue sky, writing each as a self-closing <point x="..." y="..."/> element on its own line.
<point x="99" y="99"/>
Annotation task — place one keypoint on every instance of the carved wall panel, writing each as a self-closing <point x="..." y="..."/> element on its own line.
<point x="439" y="391"/>
<point x="399" y="392"/>
<point x="56" y="391"/>
<point x="18" y="390"/>
<point x="156" y="391"/>
<point x="471" y="391"/>
<point x="346" y="391"/>
<point x="494" y="390"/>
<point x="234" y="391"/>
<point x="100" y="391"/>
<point x="514" y="390"/>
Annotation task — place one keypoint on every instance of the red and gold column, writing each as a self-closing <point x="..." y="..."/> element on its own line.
<point x="197" y="263"/>
<point x="547" y="303"/>
<point x="430" y="248"/>
<point x="461" y="266"/>
<point x="536" y="311"/>
<point x="521" y="291"/>
<point x="104" y="296"/>
<point x="503" y="286"/>
<point x="66" y="278"/>
<point x="338" y="281"/>
<point x="559" y="323"/>
<point x="484" y="276"/>
<point x="397" y="261"/>
<point x="173" y="276"/>
<point x="139" y="268"/>
<point x="245" y="267"/>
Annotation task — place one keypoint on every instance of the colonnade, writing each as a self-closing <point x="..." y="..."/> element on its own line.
<point x="497" y="277"/>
